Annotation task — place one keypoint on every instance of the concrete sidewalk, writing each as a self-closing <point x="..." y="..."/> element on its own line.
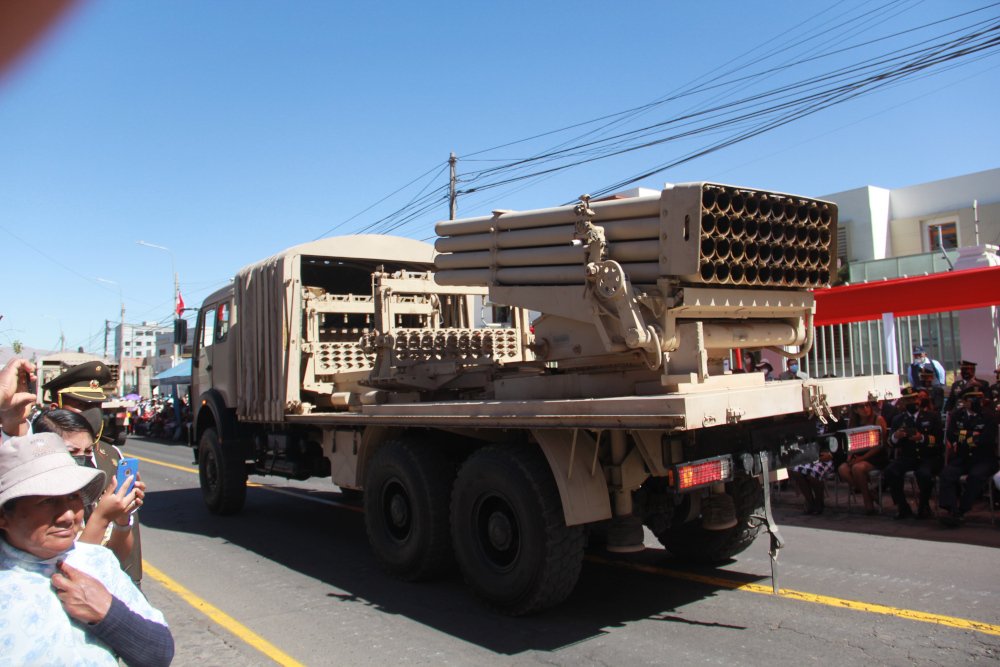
<point x="850" y="517"/>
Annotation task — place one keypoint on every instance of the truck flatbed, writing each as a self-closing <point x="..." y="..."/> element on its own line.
<point x="680" y="411"/>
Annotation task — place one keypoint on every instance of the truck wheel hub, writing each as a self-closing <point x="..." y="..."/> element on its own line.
<point x="397" y="512"/>
<point x="500" y="531"/>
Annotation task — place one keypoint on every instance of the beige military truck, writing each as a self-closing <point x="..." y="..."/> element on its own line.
<point x="537" y="380"/>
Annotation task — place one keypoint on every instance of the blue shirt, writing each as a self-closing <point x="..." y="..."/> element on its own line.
<point x="34" y="628"/>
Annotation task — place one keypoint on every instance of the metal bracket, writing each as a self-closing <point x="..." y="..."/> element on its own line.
<point x="617" y="311"/>
<point x="734" y="415"/>
<point x="817" y="405"/>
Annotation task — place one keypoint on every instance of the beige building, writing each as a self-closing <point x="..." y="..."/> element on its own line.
<point x="878" y="223"/>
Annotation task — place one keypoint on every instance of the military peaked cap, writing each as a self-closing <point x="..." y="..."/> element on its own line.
<point x="967" y="363"/>
<point x="82" y="382"/>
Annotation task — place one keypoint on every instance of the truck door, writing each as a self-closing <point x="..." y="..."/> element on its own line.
<point x="204" y="339"/>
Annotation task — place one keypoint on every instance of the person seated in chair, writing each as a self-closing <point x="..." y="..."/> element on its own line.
<point x="915" y="439"/>
<point x="971" y="441"/>
<point x="856" y="468"/>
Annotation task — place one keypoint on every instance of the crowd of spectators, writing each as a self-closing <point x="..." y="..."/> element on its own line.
<point x="157" y="418"/>
<point x="944" y="436"/>
<point x="68" y="532"/>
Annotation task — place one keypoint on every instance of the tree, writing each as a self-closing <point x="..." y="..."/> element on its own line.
<point x="18" y="347"/>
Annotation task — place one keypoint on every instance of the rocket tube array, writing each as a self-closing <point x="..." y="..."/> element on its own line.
<point x="755" y="238"/>
<point x="745" y="237"/>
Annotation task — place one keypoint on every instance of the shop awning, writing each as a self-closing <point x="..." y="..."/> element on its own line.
<point x="179" y="374"/>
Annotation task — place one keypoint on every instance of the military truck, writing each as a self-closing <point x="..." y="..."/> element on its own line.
<point x="536" y="381"/>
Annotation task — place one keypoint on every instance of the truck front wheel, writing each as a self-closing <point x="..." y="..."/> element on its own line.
<point x="692" y="542"/>
<point x="222" y="473"/>
<point x="406" y="509"/>
<point x="511" y="541"/>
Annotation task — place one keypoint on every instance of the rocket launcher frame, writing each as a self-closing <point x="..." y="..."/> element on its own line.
<point x="672" y="279"/>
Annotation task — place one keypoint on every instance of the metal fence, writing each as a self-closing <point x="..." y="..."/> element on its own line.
<point x="861" y="348"/>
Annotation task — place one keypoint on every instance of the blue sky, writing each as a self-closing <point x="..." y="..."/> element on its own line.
<point x="228" y="131"/>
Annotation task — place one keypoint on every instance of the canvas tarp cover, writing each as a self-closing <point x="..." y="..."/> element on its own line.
<point x="264" y="323"/>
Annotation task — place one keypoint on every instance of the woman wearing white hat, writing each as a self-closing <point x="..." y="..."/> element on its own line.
<point x="62" y="602"/>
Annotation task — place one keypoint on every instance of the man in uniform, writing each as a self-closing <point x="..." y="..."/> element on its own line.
<point x="80" y="389"/>
<point x="929" y="384"/>
<point x="993" y="396"/>
<point x="967" y="381"/>
<point x="971" y="442"/>
<point x="915" y="434"/>
<point x="922" y="362"/>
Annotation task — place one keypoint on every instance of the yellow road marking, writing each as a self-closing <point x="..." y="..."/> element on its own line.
<point x="194" y="471"/>
<point x="911" y="614"/>
<point x="222" y="618"/>
<point x="165" y="464"/>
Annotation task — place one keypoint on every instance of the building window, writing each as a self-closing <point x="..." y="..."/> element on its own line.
<point x="940" y="233"/>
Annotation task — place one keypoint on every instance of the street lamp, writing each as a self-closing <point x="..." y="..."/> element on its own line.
<point x="177" y="289"/>
<point x="120" y="345"/>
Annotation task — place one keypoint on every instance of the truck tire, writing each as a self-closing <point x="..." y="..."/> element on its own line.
<point x="691" y="542"/>
<point x="406" y="493"/>
<point x="222" y="473"/>
<point x="512" y="544"/>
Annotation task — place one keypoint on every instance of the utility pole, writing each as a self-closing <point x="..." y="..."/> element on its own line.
<point x="452" y="192"/>
<point x="975" y="218"/>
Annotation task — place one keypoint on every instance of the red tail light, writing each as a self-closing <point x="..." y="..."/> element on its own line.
<point x="701" y="473"/>
<point x="861" y="438"/>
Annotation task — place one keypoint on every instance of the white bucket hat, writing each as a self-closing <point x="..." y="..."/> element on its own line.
<point x="40" y="465"/>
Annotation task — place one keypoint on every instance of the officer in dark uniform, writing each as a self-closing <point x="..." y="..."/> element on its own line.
<point x="929" y="383"/>
<point x="993" y="396"/>
<point x="80" y="389"/>
<point x="972" y="451"/>
<point x="915" y="437"/>
<point x="967" y="381"/>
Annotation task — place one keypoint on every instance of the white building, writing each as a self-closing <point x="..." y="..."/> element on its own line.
<point x="138" y="340"/>
<point x="880" y="223"/>
<point x="927" y="228"/>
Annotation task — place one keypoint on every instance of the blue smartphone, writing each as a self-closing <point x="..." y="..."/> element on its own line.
<point x="125" y="468"/>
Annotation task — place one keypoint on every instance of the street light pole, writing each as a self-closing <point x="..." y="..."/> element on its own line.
<point x="177" y="288"/>
<point x="121" y="345"/>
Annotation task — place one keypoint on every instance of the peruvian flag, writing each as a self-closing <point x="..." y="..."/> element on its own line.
<point x="180" y="304"/>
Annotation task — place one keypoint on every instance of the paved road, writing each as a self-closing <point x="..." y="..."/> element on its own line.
<point x="291" y="577"/>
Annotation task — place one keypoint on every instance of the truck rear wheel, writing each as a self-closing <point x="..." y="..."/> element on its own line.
<point x="691" y="542"/>
<point x="511" y="541"/>
<point x="406" y="509"/>
<point x="222" y="473"/>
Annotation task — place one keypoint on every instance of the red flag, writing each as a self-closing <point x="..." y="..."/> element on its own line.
<point x="180" y="304"/>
